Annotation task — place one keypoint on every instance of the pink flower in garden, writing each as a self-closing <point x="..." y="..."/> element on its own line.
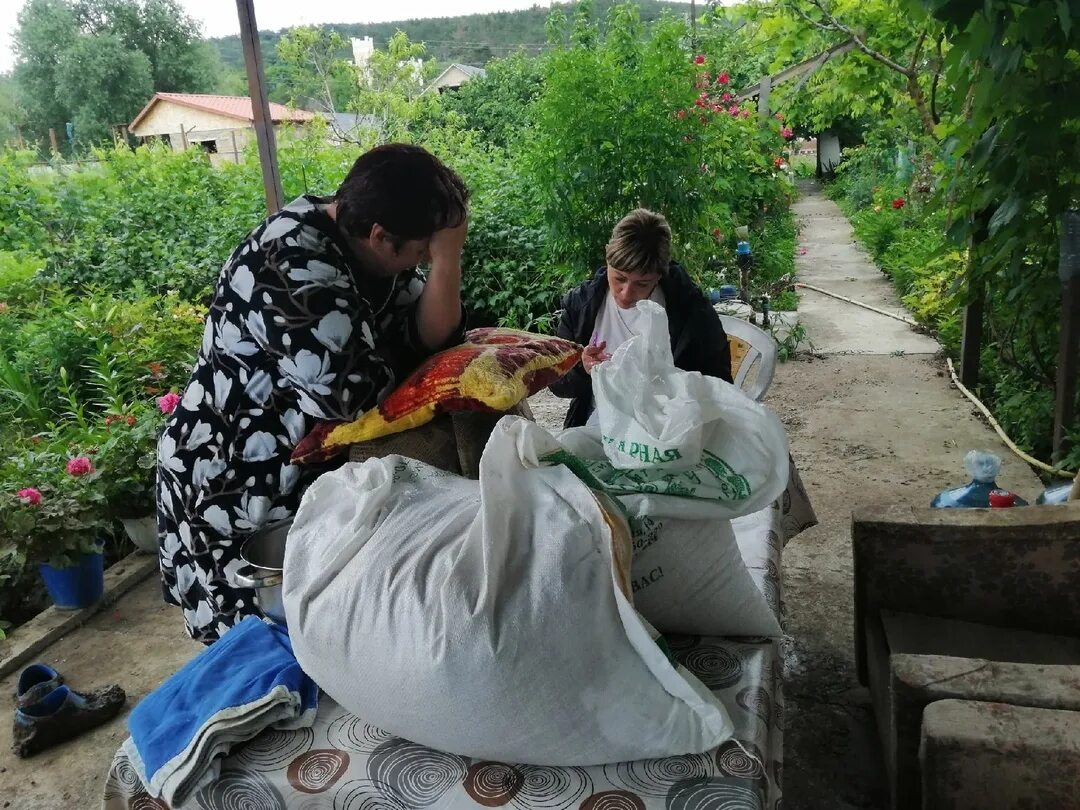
<point x="726" y="97"/>
<point x="80" y="465"/>
<point x="787" y="134"/>
<point x="29" y="496"/>
<point x="723" y="78"/>
<point x="778" y="163"/>
<point x="747" y="113"/>
<point x="779" y="116"/>
<point x="680" y="114"/>
<point x="702" y="100"/>
<point x="733" y="109"/>
<point x="699" y="59"/>
<point x="899" y="203"/>
<point x="168" y="403"/>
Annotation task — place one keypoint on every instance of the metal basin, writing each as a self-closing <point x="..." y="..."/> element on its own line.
<point x="263" y="555"/>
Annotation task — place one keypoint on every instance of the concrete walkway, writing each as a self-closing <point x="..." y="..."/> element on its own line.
<point x="872" y="419"/>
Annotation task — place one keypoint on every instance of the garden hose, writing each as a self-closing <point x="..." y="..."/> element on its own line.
<point x="1034" y="462"/>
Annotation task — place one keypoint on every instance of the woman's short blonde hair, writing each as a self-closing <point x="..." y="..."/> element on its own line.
<point x="640" y="243"/>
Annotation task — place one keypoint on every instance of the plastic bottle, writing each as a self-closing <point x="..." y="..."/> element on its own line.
<point x="983" y="468"/>
<point x="1051" y="496"/>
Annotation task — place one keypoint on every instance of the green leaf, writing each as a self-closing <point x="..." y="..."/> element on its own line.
<point x="1005" y="214"/>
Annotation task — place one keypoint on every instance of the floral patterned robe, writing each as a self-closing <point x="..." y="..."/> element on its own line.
<point x="296" y="334"/>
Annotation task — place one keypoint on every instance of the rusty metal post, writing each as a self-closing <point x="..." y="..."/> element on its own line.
<point x="260" y="105"/>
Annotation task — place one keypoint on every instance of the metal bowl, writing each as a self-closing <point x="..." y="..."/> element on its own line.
<point x="263" y="555"/>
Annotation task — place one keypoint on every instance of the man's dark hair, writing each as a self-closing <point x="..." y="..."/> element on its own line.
<point x="403" y="188"/>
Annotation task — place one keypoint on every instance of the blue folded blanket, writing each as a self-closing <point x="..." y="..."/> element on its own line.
<point x="246" y="682"/>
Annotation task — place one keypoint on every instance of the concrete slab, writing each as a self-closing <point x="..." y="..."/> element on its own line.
<point x="136" y="643"/>
<point x="834" y="261"/>
<point x="990" y="756"/>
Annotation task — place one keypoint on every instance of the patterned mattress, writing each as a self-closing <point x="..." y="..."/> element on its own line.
<point x="342" y="763"/>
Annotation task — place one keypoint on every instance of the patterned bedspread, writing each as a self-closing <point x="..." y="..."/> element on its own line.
<point x="342" y="763"/>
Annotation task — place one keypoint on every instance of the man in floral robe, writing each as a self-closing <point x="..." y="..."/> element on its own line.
<point x="316" y="315"/>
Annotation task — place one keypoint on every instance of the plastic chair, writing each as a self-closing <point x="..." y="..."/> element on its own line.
<point x="750" y="346"/>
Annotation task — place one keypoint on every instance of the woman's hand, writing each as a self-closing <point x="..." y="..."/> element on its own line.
<point x="594" y="356"/>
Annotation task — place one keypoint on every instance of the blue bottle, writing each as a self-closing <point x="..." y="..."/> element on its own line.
<point x="983" y="468"/>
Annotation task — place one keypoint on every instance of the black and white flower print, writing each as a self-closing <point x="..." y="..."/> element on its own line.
<point x="295" y="335"/>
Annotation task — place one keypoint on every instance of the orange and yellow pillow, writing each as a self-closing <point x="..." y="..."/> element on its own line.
<point x="493" y="370"/>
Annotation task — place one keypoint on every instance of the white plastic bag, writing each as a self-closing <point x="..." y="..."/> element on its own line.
<point x="672" y="432"/>
<point x="685" y="454"/>
<point x="490" y="618"/>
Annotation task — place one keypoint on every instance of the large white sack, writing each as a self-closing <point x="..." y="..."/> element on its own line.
<point x="688" y="574"/>
<point x="486" y="618"/>
<point x="666" y="431"/>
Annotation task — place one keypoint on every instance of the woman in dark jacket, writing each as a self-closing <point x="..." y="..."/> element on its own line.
<point x="601" y="314"/>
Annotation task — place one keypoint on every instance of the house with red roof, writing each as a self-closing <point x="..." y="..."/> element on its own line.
<point x="220" y="125"/>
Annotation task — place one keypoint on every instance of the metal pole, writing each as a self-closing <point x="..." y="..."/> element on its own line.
<point x="693" y="26"/>
<point x="260" y="105"/>
<point x="1069" y="347"/>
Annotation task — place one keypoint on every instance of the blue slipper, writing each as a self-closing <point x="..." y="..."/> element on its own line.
<point x="35" y="682"/>
<point x="62" y="715"/>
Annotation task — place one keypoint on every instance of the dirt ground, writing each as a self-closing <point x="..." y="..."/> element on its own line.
<point x="872" y="420"/>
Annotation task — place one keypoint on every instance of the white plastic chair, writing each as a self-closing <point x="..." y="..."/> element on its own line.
<point x="750" y="346"/>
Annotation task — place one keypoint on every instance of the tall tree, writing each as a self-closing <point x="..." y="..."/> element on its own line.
<point x="85" y="59"/>
<point x="102" y="83"/>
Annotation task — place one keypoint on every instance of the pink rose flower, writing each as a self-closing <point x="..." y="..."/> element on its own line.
<point x="168" y="403"/>
<point x="723" y="78"/>
<point x="787" y="134"/>
<point x="80" y="465"/>
<point x="699" y="59"/>
<point x="29" y="496"/>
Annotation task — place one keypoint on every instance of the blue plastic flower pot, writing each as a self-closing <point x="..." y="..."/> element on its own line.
<point x="76" y="586"/>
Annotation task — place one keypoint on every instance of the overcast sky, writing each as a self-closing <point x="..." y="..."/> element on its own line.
<point x="219" y="16"/>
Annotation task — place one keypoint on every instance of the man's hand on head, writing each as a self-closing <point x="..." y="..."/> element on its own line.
<point x="446" y="245"/>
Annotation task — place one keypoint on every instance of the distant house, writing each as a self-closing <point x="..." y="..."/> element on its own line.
<point x="220" y="125"/>
<point x="453" y="77"/>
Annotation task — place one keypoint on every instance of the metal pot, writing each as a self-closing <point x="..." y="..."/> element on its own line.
<point x="263" y="555"/>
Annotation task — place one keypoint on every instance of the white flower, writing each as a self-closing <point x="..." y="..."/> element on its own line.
<point x="231" y="342"/>
<point x="318" y="274"/>
<point x="310" y="406"/>
<point x="218" y="518"/>
<point x="205" y="469"/>
<point x="294" y="425"/>
<point x="259" y="387"/>
<point x="277" y="228"/>
<point x="167" y="454"/>
<point x="243" y="282"/>
<point x="260" y="446"/>
<point x="307" y="372"/>
<point x="193" y="397"/>
<point x="289" y="477"/>
<point x="222" y="388"/>
<point x="200" y="435"/>
<point x="251" y="513"/>
<point x="257" y="327"/>
<point x="333" y="331"/>
<point x="201" y="616"/>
